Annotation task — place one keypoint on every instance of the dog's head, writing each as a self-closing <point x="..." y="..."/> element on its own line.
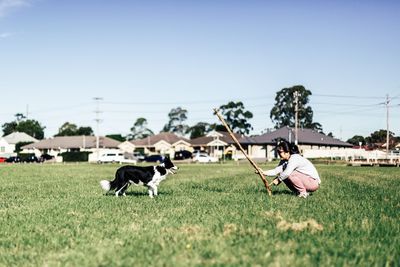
<point x="169" y="166"/>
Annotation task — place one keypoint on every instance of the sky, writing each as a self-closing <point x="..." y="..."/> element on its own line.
<point x="144" y="58"/>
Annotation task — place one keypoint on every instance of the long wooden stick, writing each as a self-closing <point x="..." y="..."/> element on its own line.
<point x="258" y="169"/>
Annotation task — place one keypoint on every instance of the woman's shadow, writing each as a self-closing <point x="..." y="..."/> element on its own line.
<point x="282" y="192"/>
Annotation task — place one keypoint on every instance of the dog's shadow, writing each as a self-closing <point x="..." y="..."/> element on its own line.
<point x="145" y="193"/>
<point x="138" y="193"/>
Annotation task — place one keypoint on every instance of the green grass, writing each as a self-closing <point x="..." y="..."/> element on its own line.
<point x="206" y="215"/>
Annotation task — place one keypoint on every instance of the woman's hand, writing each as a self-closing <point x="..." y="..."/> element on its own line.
<point x="276" y="181"/>
<point x="259" y="171"/>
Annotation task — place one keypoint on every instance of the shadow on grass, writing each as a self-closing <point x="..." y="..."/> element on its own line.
<point x="283" y="192"/>
<point x="136" y="194"/>
<point x="145" y="193"/>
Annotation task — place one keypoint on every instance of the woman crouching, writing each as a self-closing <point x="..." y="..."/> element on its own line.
<point x="297" y="172"/>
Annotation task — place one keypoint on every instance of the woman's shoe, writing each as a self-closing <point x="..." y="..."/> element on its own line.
<point x="303" y="194"/>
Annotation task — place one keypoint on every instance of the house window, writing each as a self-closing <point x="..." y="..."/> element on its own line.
<point x="3" y="149"/>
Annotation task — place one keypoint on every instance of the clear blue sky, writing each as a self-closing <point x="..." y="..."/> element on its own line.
<point x="146" y="57"/>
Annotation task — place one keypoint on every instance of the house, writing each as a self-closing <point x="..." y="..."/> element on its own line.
<point x="312" y="144"/>
<point x="216" y="143"/>
<point x="59" y="144"/>
<point x="127" y="146"/>
<point x="8" y="142"/>
<point x="162" y="143"/>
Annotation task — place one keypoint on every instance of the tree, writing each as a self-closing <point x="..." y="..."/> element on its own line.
<point x="85" y="130"/>
<point x="175" y="124"/>
<point x="198" y="130"/>
<point x="356" y="140"/>
<point x="140" y="130"/>
<point x="117" y="137"/>
<point x="19" y="117"/>
<point x="283" y="112"/>
<point x="21" y="144"/>
<point x="70" y="129"/>
<point x="379" y="137"/>
<point x="31" y="127"/>
<point x="67" y="129"/>
<point x="9" y="128"/>
<point x="236" y="116"/>
<point x="20" y="124"/>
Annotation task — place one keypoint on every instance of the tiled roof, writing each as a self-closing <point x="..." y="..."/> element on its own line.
<point x="170" y="138"/>
<point x="204" y="140"/>
<point x="247" y="140"/>
<point x="305" y="137"/>
<point x="17" y="137"/>
<point x="68" y="142"/>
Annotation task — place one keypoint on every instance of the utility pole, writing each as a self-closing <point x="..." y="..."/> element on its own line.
<point x="296" y="112"/>
<point x="98" y="120"/>
<point x="387" y="125"/>
<point x="27" y="111"/>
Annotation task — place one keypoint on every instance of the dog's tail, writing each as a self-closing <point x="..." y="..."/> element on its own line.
<point x="106" y="185"/>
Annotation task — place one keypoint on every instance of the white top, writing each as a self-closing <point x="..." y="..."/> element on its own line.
<point x="295" y="163"/>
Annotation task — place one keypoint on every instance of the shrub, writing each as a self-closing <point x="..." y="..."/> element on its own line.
<point x="75" y="156"/>
<point x="21" y="144"/>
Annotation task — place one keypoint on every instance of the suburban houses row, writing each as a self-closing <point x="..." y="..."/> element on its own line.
<point x="312" y="144"/>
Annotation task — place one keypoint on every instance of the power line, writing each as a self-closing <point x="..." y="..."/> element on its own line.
<point x="186" y="102"/>
<point x="350" y="112"/>
<point x="343" y="104"/>
<point x="348" y="96"/>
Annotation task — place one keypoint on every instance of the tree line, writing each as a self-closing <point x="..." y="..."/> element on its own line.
<point x="235" y="114"/>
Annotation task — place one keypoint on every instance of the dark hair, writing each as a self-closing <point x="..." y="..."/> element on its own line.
<point x="288" y="147"/>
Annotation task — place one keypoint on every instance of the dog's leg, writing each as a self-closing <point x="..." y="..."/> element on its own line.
<point x="151" y="190"/>
<point x="121" y="189"/>
<point x="155" y="190"/>
<point x="125" y="188"/>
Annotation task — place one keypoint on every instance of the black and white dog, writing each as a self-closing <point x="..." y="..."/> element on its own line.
<point x="149" y="176"/>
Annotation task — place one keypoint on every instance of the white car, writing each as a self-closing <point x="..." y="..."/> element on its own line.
<point x="204" y="158"/>
<point x="116" y="158"/>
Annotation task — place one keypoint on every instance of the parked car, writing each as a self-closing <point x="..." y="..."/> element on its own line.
<point x="116" y="158"/>
<point x="395" y="152"/>
<point x="204" y="158"/>
<point x="2" y="159"/>
<point x="139" y="156"/>
<point x="129" y="158"/>
<point x="183" y="154"/>
<point x="30" y="159"/>
<point x="13" y="159"/>
<point x="45" y="157"/>
<point x="197" y="152"/>
<point x="154" y="158"/>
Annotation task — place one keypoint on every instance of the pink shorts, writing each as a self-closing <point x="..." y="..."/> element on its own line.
<point x="299" y="182"/>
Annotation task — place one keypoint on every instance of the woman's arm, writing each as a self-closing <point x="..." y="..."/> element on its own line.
<point x="293" y="164"/>
<point x="274" y="172"/>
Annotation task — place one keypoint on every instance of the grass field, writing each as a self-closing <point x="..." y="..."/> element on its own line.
<point x="206" y="215"/>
